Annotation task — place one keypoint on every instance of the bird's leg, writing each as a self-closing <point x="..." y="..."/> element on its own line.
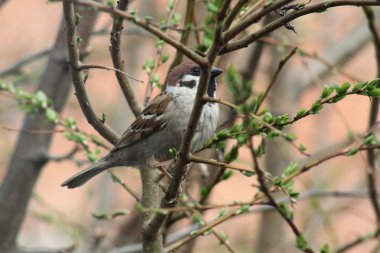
<point x="164" y="172"/>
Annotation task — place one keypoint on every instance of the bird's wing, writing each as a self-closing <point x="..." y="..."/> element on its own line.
<point x="150" y="120"/>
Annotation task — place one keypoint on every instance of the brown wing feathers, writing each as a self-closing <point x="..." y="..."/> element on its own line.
<point x="148" y="122"/>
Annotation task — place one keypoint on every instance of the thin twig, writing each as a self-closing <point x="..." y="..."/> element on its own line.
<point x="218" y="164"/>
<point x="146" y="25"/>
<point x="124" y="185"/>
<point x="312" y="8"/>
<point x="74" y="64"/>
<point x="95" y="66"/>
<point x="371" y="171"/>
<point x="267" y="193"/>
<point x="275" y="76"/>
<point x="118" y="63"/>
<point x="15" y="68"/>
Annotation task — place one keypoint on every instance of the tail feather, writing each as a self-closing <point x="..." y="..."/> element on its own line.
<point x="83" y="176"/>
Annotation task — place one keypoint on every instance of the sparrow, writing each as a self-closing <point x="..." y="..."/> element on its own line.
<point x="161" y="125"/>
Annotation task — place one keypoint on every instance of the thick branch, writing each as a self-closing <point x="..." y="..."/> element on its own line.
<point x="146" y="25"/>
<point x="183" y="159"/>
<point x="313" y="8"/>
<point x="118" y="62"/>
<point x="74" y="64"/>
<point x="371" y="171"/>
<point x="26" y="162"/>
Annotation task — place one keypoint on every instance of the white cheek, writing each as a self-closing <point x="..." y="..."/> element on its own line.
<point x="188" y="78"/>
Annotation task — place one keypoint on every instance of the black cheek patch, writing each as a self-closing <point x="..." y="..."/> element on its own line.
<point x="211" y="87"/>
<point x="188" y="84"/>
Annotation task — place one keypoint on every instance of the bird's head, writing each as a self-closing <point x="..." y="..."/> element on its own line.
<point x="187" y="74"/>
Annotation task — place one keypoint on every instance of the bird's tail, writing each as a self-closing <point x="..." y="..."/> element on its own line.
<point x="83" y="176"/>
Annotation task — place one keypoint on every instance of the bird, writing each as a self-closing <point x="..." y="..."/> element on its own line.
<point x="161" y="125"/>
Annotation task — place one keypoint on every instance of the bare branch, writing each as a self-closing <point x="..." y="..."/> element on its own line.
<point x="372" y="171"/>
<point x="15" y="68"/>
<point x="118" y="71"/>
<point x="74" y="64"/>
<point x="274" y="78"/>
<point x="146" y="25"/>
<point x="312" y="8"/>
<point x="129" y="93"/>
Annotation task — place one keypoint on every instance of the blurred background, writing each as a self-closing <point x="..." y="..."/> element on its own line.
<point x="338" y="48"/>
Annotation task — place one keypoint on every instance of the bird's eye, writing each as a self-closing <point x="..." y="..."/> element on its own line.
<point x="195" y="71"/>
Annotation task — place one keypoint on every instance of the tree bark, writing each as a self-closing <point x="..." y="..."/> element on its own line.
<point x="27" y="162"/>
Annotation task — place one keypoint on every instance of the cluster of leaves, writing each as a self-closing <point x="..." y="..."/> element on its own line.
<point x="38" y="102"/>
<point x="213" y="6"/>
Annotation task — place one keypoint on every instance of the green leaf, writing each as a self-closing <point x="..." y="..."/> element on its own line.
<point x="327" y="91"/>
<point x="139" y="207"/>
<point x="301" y="113"/>
<point x="301" y="243"/>
<point x="197" y="219"/>
<point x="374" y="92"/>
<point x="268" y="117"/>
<point x="70" y="123"/>
<point x="226" y="174"/>
<point x="204" y="191"/>
<point x="273" y="134"/>
<point x="231" y="155"/>
<point x="243" y="209"/>
<point x="370" y="140"/>
<point x="325" y="248"/>
<point x="290" y="137"/>
<point x="173" y="152"/>
<point x="316" y="107"/>
<point x="358" y="86"/>
<point x="352" y="152"/>
<point x="301" y="147"/>
<point x="283" y="208"/>
<point x="51" y="115"/>
<point x="343" y="88"/>
<point x="291" y="169"/>
<point x="164" y="58"/>
<point x="248" y="173"/>
<point x="222" y="135"/>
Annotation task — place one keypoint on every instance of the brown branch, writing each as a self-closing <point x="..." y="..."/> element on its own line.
<point x="357" y="241"/>
<point x="118" y="71"/>
<point x="146" y="25"/>
<point x="118" y="62"/>
<point x="18" y="184"/>
<point x="312" y="8"/>
<point x="371" y="156"/>
<point x="272" y="201"/>
<point x="189" y="15"/>
<point x="253" y="18"/>
<point x="183" y="158"/>
<point x="15" y="68"/>
<point x="218" y="164"/>
<point x="74" y="64"/>
<point x="232" y="15"/>
<point x="275" y="76"/>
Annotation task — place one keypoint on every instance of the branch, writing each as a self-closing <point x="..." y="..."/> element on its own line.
<point x="146" y="25"/>
<point x="275" y="76"/>
<point x="15" y="68"/>
<point x="183" y="158"/>
<point x="118" y="63"/>
<point x="253" y="18"/>
<point x="186" y="32"/>
<point x="118" y="71"/>
<point x="74" y="64"/>
<point x="313" y="8"/>
<point x="357" y="241"/>
<point x="272" y="201"/>
<point x="371" y="171"/>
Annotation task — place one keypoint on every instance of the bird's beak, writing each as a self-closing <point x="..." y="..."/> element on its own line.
<point x="216" y="72"/>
